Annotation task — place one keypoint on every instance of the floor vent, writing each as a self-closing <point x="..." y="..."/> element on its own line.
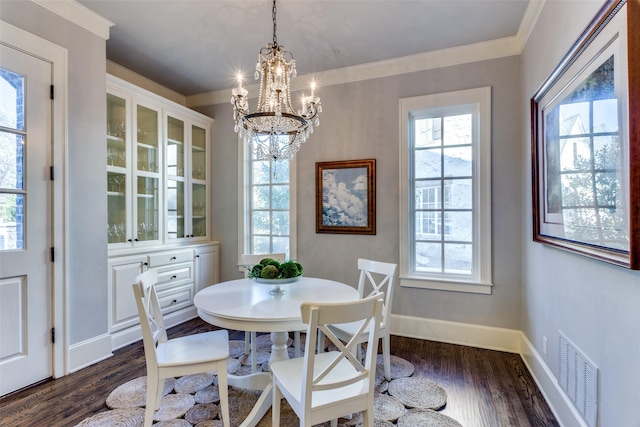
<point x="578" y="377"/>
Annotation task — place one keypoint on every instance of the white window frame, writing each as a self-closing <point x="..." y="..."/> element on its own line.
<point x="244" y="204"/>
<point x="479" y="102"/>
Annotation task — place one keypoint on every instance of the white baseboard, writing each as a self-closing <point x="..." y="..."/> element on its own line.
<point x="88" y="352"/>
<point x="564" y="411"/>
<point x="488" y="337"/>
<point x="130" y="335"/>
<point x="501" y="339"/>
<point x="96" y="349"/>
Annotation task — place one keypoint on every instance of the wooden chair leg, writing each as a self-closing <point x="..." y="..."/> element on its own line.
<point x="296" y="343"/>
<point x="254" y="350"/>
<point x="386" y="356"/>
<point x="223" y="391"/>
<point x="153" y="402"/>
<point x="275" y="406"/>
<point x="247" y="342"/>
<point x="320" y="348"/>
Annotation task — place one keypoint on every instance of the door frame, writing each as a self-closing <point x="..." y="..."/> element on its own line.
<point x="58" y="58"/>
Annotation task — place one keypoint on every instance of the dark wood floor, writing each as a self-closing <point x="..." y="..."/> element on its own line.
<point x="485" y="388"/>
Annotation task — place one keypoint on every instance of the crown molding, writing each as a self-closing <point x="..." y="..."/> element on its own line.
<point x="73" y="11"/>
<point x="493" y="49"/>
<point x="499" y="48"/>
<point x="475" y="52"/>
<point x="143" y="82"/>
<point x="529" y="20"/>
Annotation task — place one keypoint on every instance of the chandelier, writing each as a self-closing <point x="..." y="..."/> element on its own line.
<point x="274" y="130"/>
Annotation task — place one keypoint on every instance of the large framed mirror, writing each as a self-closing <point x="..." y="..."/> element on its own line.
<point x="585" y="122"/>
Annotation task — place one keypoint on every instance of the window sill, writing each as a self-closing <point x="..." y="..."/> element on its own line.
<point x="474" y="288"/>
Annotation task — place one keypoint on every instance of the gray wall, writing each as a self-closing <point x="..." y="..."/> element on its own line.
<point x="86" y="178"/>
<point x="360" y="121"/>
<point x="597" y="306"/>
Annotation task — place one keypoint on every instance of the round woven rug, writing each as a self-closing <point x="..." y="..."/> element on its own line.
<point x="387" y="408"/>
<point x="208" y="394"/>
<point x="174" y="406"/>
<point x="210" y="423"/>
<point x="134" y="393"/>
<point x="125" y="417"/>
<point x="193" y="400"/>
<point x="236" y="348"/>
<point x="232" y="366"/>
<point x="173" y="423"/>
<point x="426" y="418"/>
<point x="202" y="412"/>
<point x="418" y="393"/>
<point x="192" y="383"/>
<point x="400" y="368"/>
<point x="262" y="356"/>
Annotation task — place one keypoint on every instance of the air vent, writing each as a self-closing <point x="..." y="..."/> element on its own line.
<point x="578" y="377"/>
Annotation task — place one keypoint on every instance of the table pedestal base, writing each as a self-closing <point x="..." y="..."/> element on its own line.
<point x="278" y="347"/>
<point x="257" y="381"/>
<point x="262" y="380"/>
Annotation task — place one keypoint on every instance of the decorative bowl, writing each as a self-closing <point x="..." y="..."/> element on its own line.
<point x="276" y="281"/>
<point x="277" y="290"/>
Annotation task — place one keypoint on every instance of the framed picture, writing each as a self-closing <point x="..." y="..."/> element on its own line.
<point x="346" y="197"/>
<point x="585" y="124"/>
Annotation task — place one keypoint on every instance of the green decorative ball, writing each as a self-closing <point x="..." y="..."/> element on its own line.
<point x="269" y="272"/>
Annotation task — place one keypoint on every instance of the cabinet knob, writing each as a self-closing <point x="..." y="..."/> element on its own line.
<point x="174" y="301"/>
<point x="173" y="277"/>
<point x="129" y="240"/>
<point x="135" y="240"/>
<point x="172" y="258"/>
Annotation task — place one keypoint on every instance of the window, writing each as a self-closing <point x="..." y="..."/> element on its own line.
<point x="268" y="205"/>
<point x="12" y="156"/>
<point x="446" y="191"/>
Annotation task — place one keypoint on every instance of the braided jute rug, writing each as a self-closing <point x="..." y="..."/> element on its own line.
<point x="193" y="400"/>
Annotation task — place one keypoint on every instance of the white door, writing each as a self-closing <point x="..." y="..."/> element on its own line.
<point x="25" y="220"/>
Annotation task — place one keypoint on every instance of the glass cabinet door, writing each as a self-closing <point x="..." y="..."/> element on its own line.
<point x="147" y="141"/>
<point x="176" y="225"/>
<point x="198" y="182"/>
<point x="117" y="155"/>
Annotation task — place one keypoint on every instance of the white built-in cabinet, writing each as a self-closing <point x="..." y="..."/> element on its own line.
<point x="158" y="201"/>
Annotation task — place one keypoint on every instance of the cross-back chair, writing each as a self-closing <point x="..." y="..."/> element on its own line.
<point x="166" y="358"/>
<point x="324" y="386"/>
<point x="375" y="277"/>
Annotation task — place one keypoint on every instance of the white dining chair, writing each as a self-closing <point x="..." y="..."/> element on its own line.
<point x="166" y="358"/>
<point x="325" y="386"/>
<point x="375" y="277"/>
<point x="248" y="261"/>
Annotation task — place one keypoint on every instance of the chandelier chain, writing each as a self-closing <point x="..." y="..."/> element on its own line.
<point x="275" y="26"/>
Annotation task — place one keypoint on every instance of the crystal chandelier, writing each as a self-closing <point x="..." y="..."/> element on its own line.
<point x="274" y="131"/>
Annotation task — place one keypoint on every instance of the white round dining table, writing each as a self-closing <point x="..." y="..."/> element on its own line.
<point x="245" y="305"/>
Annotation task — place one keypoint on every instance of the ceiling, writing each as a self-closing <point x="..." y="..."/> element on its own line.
<point x="197" y="46"/>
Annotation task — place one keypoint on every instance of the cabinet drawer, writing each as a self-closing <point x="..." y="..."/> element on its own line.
<point x="173" y="257"/>
<point x="175" y="274"/>
<point x="175" y="299"/>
